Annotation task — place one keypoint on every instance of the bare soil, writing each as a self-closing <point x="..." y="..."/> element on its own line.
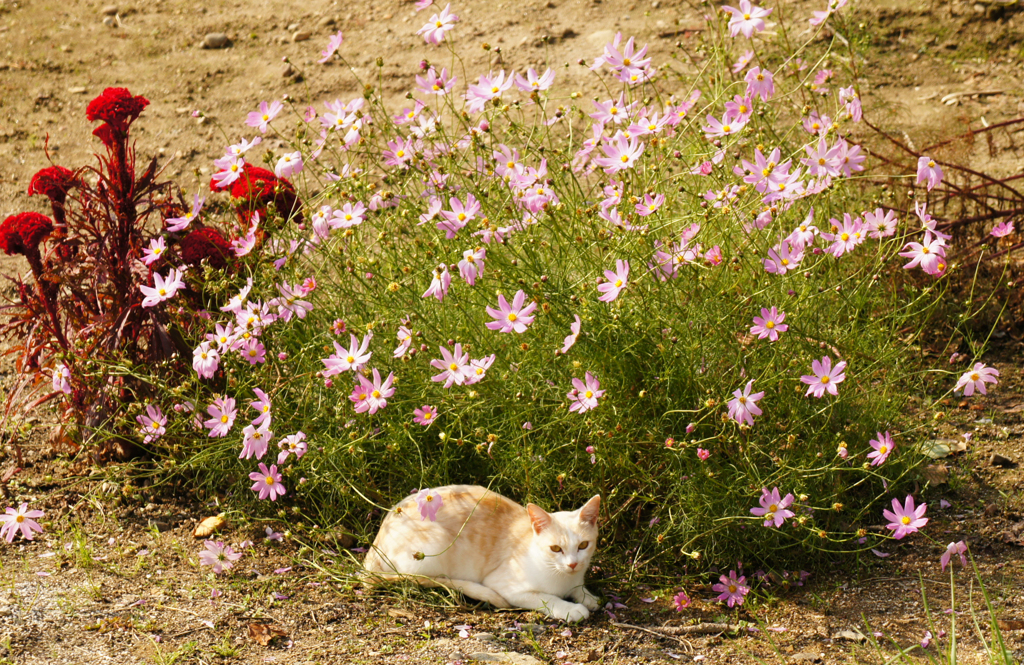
<point x="115" y="578"/>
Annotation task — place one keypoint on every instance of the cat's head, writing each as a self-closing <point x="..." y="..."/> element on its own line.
<point x="563" y="542"/>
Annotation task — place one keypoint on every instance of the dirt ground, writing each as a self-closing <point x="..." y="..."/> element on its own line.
<point x="115" y="579"/>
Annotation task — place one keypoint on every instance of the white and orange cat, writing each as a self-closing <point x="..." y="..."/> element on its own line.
<point x="492" y="549"/>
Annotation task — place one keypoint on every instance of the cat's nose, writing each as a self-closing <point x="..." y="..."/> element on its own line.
<point x="573" y="565"/>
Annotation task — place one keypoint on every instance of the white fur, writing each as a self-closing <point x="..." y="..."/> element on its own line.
<point x="492" y="549"/>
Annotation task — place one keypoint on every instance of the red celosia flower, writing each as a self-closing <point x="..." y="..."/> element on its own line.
<point x="205" y="243"/>
<point x="257" y="188"/>
<point x="23" y="232"/>
<point x="53" y="182"/>
<point x="116" y="107"/>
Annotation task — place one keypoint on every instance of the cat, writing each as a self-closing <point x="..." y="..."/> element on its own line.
<point x="492" y="549"/>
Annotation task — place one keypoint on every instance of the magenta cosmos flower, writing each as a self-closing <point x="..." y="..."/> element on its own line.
<point x="429" y="502"/>
<point x="162" y="288"/>
<point x="268" y="482"/>
<point x="256" y="440"/>
<point x="152" y="422"/>
<point x="425" y="415"/>
<point x="261" y="118"/>
<point x="205" y="360"/>
<point x="19" y="520"/>
<point x="731" y="589"/>
<point x="976" y="378"/>
<point x="825" y="377"/>
<point x="774" y="508"/>
<point x="440" y="283"/>
<point x="617" y="281"/>
<point x="743" y="407"/>
<point x="333" y="44"/>
<point x="584" y="395"/>
<point x="951" y="549"/>
<point x="883" y="446"/>
<point x="769" y="324"/>
<point x="906" y="519"/>
<point x="218" y="555"/>
<point x="293" y="444"/>
<point x="511" y="318"/>
<point x="354" y="358"/>
<point x="1001" y="230"/>
<point x="574" y="332"/>
<point x="681" y="601"/>
<point x="760" y="82"/>
<point x="454" y="366"/>
<point x="928" y="172"/>
<point x="261" y="405"/>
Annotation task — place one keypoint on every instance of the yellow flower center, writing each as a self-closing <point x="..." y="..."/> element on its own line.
<point x="975" y="376"/>
<point x="266" y="117"/>
<point x="613" y="111"/>
<point x="785" y="262"/>
<point x="769" y="324"/>
<point x="156" y="425"/>
<point x="430" y="497"/>
<point x="400" y="153"/>
<point x="821" y="161"/>
<point x="162" y="292"/>
<point x="746" y="17"/>
<point x="925" y="250"/>
<point x="732" y="588"/>
<point x="427" y="415"/>
<point x="223" y="419"/>
<point x="931" y="164"/>
<point x="845" y="236"/>
<point x="252" y="353"/>
<point x="773" y="508"/>
<point x="824" y="379"/>
<point x="453" y="367"/>
<point x="438" y="24"/>
<point x="376" y="394"/>
<point x="512" y="316"/>
<point x="495" y="90"/>
<point x="19" y="519"/>
<point x="462" y="216"/>
<point x="589" y="394"/>
<point x="905" y="519"/>
<point x="760" y="77"/>
<point x="270" y="480"/>
<point x="618" y="283"/>
<point x="883" y="449"/>
<point x="624" y="159"/>
<point x="742" y="400"/>
<point x="726" y="129"/>
<point x="350" y="359"/>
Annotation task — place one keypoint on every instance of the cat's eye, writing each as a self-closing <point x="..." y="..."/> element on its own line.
<point x="556" y="548"/>
<point x="585" y="544"/>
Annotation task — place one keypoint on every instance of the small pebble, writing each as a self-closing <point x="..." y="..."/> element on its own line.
<point x="78" y="91"/>
<point x="110" y="10"/>
<point x="216" y="40"/>
<point x="110" y="22"/>
<point x="292" y="27"/>
<point x="999" y="460"/>
<point x="327" y="21"/>
<point x="288" y="71"/>
<point x="301" y="36"/>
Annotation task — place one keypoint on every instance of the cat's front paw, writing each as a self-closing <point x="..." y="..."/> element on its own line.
<point x="575" y="613"/>
<point x="590" y="601"/>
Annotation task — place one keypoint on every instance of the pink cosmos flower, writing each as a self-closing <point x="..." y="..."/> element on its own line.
<point x="880" y="223"/>
<point x="62" y="378"/>
<point x="261" y="405"/>
<point x="460" y="215"/>
<point x="472" y="264"/>
<point x="774" y="508"/>
<point x="761" y="83"/>
<point x="218" y="555"/>
<point x="261" y="119"/>
<point x="289" y="164"/>
<point x="906" y="519"/>
<point x="156" y="249"/>
<point x="714" y="255"/>
<point x="242" y="147"/>
<point x="268" y="482"/>
<point x="650" y="204"/>
<point x="976" y="378"/>
<point x="883" y="446"/>
<point x="399" y="153"/>
<point x="1001" y="230"/>
<point x="22" y="520"/>
<point x="739" y="109"/>
<point x="681" y="601"/>
<point x="455" y="367"/>
<point x="293" y="444"/>
<point x="163" y="288"/>
<point x="205" y="361"/>
<point x="928" y="171"/>
<point x="404" y="341"/>
<point x="354" y="358"/>
<point x="930" y="254"/>
<point x="574" y="331"/>
<point x="825" y="377"/>
<point x="532" y="81"/>
<point x="489" y="87"/>
<point x="731" y="589"/>
<point x="769" y="324"/>
<point x="783" y="257"/>
<point x="273" y="535"/>
<point x="237" y="301"/>
<point x="611" y="111"/>
<point x="747" y="19"/>
<point x="254" y="352"/>
<point x="703" y="454"/>
<point x="436" y="84"/>
<point x="372" y="395"/>
<point x="290" y="303"/>
<point x="584" y="396"/>
<point x="621" y="153"/>
<point x="256" y="440"/>
<point x="742" y="63"/>
<point x="332" y="46"/>
<point x="478" y="369"/>
<point x="230" y="170"/>
<point x="152" y="422"/>
<point x="439" y="284"/>
<point x="434" y="31"/>
<point x="727" y="127"/>
<point x="349" y="215"/>
<point x="222" y="416"/>
<point x="429" y="502"/>
<point x="511" y="318"/>
<point x="848" y="235"/>
<point x="175" y="224"/>
<point x="425" y="415"/>
<point x="743" y="407"/>
<point x="959" y="548"/>
<point x="616" y="281"/>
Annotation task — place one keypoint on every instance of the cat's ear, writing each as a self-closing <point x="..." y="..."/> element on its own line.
<point x="591" y="510"/>
<point x="540" y="519"/>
